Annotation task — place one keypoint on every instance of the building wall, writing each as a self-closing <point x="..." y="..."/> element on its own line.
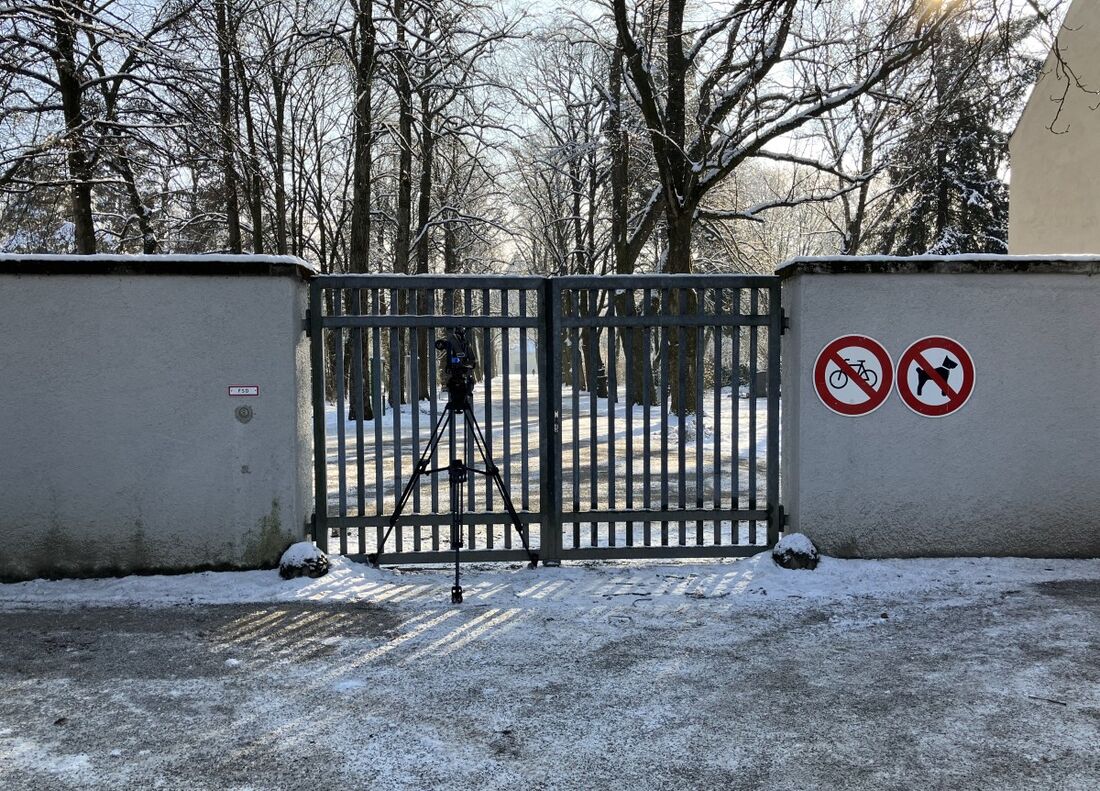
<point x="1055" y="190"/>
<point x="1016" y="471"/>
<point x="120" y="449"/>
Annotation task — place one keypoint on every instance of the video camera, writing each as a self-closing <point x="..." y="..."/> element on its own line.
<point x="459" y="362"/>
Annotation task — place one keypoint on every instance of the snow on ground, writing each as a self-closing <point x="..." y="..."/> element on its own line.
<point x="739" y="583"/>
<point x="896" y="674"/>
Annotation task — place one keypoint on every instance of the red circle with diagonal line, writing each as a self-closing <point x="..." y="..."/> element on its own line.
<point x="853" y="375"/>
<point x="935" y="376"/>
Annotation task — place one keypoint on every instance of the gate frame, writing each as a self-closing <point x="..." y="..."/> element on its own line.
<point x="550" y="381"/>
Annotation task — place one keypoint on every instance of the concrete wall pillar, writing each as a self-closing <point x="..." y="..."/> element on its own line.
<point x="121" y="448"/>
<point x="1014" y="471"/>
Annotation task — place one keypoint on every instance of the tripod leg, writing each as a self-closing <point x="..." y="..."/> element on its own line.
<point x="494" y="472"/>
<point x="457" y="496"/>
<point x="433" y="443"/>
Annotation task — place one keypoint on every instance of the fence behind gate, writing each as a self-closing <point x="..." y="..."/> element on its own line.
<point x="630" y="416"/>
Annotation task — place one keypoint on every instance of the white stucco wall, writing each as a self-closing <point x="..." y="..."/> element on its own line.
<point x="1016" y="471"/>
<point x="1055" y="190"/>
<point x="119" y="447"/>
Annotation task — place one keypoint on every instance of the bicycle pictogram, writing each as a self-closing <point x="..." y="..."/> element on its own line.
<point x="839" y="379"/>
<point x="853" y="375"/>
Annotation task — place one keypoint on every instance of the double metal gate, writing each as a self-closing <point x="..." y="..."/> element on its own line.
<point x="630" y="416"/>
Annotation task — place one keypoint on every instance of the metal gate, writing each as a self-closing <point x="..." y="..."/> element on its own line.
<point x="630" y="416"/>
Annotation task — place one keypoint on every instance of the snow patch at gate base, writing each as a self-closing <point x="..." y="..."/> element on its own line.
<point x="733" y="584"/>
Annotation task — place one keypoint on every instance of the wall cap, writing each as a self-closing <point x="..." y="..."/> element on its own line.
<point x="210" y="265"/>
<point x="941" y="265"/>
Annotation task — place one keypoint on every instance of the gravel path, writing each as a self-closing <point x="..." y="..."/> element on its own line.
<point x="962" y="676"/>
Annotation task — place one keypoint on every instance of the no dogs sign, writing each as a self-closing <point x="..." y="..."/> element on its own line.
<point x="853" y="375"/>
<point x="935" y="376"/>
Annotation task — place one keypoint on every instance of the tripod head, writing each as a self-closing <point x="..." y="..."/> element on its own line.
<point x="459" y="361"/>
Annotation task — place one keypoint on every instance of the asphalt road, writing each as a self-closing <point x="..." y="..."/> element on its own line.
<point x="997" y="689"/>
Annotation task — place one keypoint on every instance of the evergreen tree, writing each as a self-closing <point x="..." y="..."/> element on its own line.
<point x="949" y="167"/>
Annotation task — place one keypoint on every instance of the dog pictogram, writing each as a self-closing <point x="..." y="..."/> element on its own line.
<point x="944" y="371"/>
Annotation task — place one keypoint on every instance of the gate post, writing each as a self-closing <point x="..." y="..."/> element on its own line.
<point x="775" y="332"/>
<point x="550" y="384"/>
<point x="320" y="455"/>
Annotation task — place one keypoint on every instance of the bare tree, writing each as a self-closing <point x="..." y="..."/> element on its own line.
<point x="720" y="94"/>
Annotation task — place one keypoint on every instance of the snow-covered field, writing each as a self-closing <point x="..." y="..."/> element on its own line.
<point x="612" y="458"/>
<point x="918" y="674"/>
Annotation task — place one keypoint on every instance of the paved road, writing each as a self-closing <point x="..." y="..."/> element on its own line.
<point x="990" y="690"/>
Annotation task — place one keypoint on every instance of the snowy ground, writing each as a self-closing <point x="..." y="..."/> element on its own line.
<point x="605" y="464"/>
<point x="921" y="674"/>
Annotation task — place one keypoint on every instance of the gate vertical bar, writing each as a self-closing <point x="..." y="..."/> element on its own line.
<point x="397" y="387"/>
<point x="360" y="406"/>
<point x="523" y="410"/>
<point x="377" y="410"/>
<point x="504" y="373"/>
<point x="320" y="448"/>
<point x="754" y="356"/>
<point x="775" y="331"/>
<point x="550" y="384"/>
<point x="716" y="499"/>
<point x="341" y="431"/>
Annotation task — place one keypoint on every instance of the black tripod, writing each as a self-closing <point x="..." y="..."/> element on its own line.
<point x="458" y="393"/>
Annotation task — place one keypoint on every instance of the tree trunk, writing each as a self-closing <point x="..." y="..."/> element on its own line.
<point x="297" y="190"/>
<point x="853" y="236"/>
<point x="402" y="240"/>
<point x="580" y="266"/>
<point x="359" y="251"/>
<point x="943" y="197"/>
<point x="681" y="302"/>
<point x="278" y="90"/>
<point x="225" y="121"/>
<point x="121" y="163"/>
<point x="620" y="218"/>
<point x="569" y="377"/>
<point x="595" y="374"/>
<point x="450" y="246"/>
<point x="254" y="186"/>
<point x="423" y="234"/>
<point x="77" y="159"/>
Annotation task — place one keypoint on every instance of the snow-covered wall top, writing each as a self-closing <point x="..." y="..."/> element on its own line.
<point x="220" y="265"/>
<point x="941" y="265"/>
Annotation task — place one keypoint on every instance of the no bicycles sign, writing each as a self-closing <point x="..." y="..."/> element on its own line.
<point x="853" y="375"/>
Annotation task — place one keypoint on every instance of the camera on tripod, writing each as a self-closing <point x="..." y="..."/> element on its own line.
<point x="459" y="362"/>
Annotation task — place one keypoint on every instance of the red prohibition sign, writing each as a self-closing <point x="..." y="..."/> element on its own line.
<point x="845" y="383"/>
<point x="935" y="376"/>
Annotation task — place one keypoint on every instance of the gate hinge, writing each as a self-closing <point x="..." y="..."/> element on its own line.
<point x="784" y="321"/>
<point x="306" y="323"/>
